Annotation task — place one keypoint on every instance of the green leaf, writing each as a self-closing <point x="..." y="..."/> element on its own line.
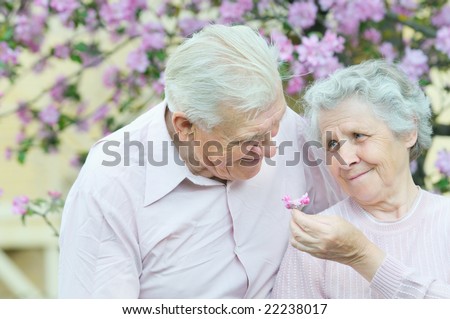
<point x="65" y="121"/>
<point x="443" y="184"/>
<point x="71" y="92"/>
<point x="21" y="156"/>
<point x="81" y="47"/>
<point x="76" y="58"/>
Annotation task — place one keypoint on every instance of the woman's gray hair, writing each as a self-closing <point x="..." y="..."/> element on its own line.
<point x="396" y="100"/>
<point x="219" y="68"/>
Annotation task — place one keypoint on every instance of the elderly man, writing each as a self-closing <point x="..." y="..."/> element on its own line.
<point x="185" y="202"/>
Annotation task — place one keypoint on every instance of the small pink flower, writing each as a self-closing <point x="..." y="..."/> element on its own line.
<point x="8" y="153"/>
<point x="296" y="203"/>
<point x="49" y="115"/>
<point x="54" y="194"/>
<point x="137" y="61"/>
<point x="1" y="192"/>
<point x="100" y="113"/>
<point x="20" y="205"/>
<point x="443" y="40"/>
<point x="62" y="51"/>
<point x="111" y="77"/>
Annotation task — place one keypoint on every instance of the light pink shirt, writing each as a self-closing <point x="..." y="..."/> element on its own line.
<point x="417" y="263"/>
<point x="158" y="231"/>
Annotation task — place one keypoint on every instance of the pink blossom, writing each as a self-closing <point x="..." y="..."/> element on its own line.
<point x="8" y="153"/>
<point x="90" y="59"/>
<point x="263" y="6"/>
<point x="302" y="14"/>
<point x="75" y="161"/>
<point x="296" y="203"/>
<point x="136" y="81"/>
<point x="62" y="51"/>
<point x="349" y="14"/>
<point x="54" y="194"/>
<point x="387" y="51"/>
<point x="64" y="6"/>
<point x="49" y="115"/>
<point x="405" y="7"/>
<point x="295" y="85"/>
<point x="297" y="82"/>
<point x="20" y="205"/>
<point x="1" y="192"/>
<point x="332" y="42"/>
<point x="8" y="55"/>
<point x="20" y="137"/>
<point x="29" y="30"/>
<point x="284" y="45"/>
<point x="189" y="26"/>
<point x="442" y="18"/>
<point x="137" y="61"/>
<point x="443" y="40"/>
<point x="318" y="56"/>
<point x="100" y="113"/>
<point x="24" y="113"/>
<point x="41" y="3"/>
<point x="443" y="162"/>
<point x="372" y="35"/>
<point x="82" y="125"/>
<point x="414" y="63"/>
<point x="326" y="4"/>
<point x="153" y="41"/>
<point x="91" y="20"/>
<point x="330" y="65"/>
<point x="158" y="85"/>
<point x="40" y="65"/>
<point x="121" y="11"/>
<point x="111" y="77"/>
<point x="58" y="89"/>
<point x="231" y="12"/>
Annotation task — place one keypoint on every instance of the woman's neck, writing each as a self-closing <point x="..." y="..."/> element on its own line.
<point x="393" y="206"/>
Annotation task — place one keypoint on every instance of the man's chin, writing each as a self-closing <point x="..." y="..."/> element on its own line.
<point x="247" y="172"/>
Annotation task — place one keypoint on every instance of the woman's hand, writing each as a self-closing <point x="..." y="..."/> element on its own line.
<point x="333" y="238"/>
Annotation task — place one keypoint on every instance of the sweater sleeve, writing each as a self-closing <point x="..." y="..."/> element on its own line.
<point x="397" y="281"/>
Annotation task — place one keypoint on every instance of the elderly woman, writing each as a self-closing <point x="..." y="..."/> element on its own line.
<point x="372" y="122"/>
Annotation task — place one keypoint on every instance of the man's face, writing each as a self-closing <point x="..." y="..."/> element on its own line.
<point x="236" y="149"/>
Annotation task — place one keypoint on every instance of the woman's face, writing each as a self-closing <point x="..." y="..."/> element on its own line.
<point x="364" y="156"/>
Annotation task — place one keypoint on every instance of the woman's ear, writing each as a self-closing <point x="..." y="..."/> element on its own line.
<point x="181" y="125"/>
<point x="411" y="139"/>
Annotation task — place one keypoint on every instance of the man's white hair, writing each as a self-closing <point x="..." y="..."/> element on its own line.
<point x="222" y="68"/>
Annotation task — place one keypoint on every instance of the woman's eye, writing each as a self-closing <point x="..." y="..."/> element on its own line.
<point x="333" y="146"/>
<point x="359" y="136"/>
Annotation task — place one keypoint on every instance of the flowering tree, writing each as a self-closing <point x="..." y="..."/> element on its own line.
<point x="314" y="39"/>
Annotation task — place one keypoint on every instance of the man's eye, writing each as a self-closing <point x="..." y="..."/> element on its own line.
<point x="333" y="146"/>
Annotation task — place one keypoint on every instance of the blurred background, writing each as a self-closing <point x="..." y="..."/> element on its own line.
<point x="72" y="71"/>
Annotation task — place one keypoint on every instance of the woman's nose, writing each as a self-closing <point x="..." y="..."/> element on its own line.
<point x="347" y="155"/>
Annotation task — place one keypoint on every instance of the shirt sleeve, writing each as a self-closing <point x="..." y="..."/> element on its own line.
<point x="98" y="252"/>
<point x="396" y="281"/>
<point x="300" y="277"/>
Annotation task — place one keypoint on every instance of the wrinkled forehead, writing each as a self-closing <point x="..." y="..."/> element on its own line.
<point x="242" y="125"/>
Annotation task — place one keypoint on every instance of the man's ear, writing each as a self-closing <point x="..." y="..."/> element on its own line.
<point x="181" y="125"/>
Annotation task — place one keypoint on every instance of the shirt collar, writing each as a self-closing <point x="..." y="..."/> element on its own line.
<point x="165" y="170"/>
